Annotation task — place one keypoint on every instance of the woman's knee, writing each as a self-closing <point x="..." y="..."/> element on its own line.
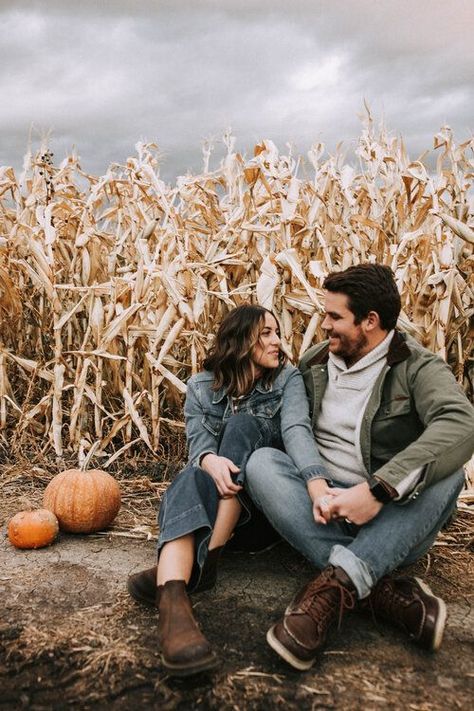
<point x="241" y="419"/>
<point x="242" y="425"/>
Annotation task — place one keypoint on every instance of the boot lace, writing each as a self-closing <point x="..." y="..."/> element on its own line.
<point x="387" y="598"/>
<point x="323" y="597"/>
<point x="386" y="601"/>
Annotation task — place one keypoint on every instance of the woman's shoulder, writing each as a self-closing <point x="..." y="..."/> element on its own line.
<point x="204" y="376"/>
<point x="284" y="374"/>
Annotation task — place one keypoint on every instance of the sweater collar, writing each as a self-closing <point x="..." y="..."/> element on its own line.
<point x="398" y="351"/>
<point x="376" y="354"/>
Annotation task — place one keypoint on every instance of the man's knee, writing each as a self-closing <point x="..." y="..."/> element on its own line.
<point x="261" y="467"/>
<point x="258" y="466"/>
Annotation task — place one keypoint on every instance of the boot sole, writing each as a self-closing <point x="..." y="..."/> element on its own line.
<point x="441" y="620"/>
<point x="181" y="670"/>
<point x="285" y="654"/>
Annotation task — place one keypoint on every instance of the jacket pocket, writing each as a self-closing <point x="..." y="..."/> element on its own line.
<point x="212" y="423"/>
<point x="393" y="408"/>
<point x="395" y="426"/>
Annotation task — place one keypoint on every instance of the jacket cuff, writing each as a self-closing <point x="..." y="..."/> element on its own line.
<point x="315" y="471"/>
<point x="196" y="462"/>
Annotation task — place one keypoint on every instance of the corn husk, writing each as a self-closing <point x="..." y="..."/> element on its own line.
<point x="112" y="287"/>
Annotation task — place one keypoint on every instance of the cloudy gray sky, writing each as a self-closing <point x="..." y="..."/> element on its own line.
<point x="105" y="74"/>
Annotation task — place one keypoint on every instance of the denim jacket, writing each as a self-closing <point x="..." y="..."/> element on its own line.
<point x="285" y="402"/>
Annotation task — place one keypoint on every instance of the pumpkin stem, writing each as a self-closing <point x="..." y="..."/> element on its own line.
<point x="84" y="461"/>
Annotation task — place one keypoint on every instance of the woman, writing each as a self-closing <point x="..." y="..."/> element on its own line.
<point x="247" y="397"/>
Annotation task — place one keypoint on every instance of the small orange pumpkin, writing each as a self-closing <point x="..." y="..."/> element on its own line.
<point x="83" y="501"/>
<point x="33" y="529"/>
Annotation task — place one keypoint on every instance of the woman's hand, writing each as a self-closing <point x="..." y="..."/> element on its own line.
<point x="320" y="494"/>
<point x="220" y="469"/>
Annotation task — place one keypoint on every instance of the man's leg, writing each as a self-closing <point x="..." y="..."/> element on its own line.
<point x="401" y="534"/>
<point x="277" y="489"/>
<point x="357" y="557"/>
<point x="408" y="602"/>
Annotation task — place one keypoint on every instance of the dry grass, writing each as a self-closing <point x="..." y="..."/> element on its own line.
<point x="95" y="641"/>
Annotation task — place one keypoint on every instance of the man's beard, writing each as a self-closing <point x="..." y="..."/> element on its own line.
<point x="351" y="349"/>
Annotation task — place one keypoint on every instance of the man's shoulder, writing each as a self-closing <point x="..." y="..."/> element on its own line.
<point x="419" y="354"/>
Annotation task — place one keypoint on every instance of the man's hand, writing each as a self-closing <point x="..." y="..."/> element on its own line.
<point x="320" y="494"/>
<point x="220" y="469"/>
<point x="355" y="504"/>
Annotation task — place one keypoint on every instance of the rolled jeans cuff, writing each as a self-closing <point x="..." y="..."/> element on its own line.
<point x="315" y="471"/>
<point x="355" y="568"/>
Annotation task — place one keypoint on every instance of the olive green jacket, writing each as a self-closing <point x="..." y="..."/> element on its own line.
<point x="417" y="414"/>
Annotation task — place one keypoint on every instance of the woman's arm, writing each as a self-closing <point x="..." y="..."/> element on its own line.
<point x="297" y="435"/>
<point x="201" y="441"/>
<point x="203" y="445"/>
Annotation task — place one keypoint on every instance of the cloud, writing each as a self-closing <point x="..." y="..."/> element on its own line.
<point x="103" y="75"/>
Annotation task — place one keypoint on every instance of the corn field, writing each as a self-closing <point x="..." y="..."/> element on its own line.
<point x="111" y="287"/>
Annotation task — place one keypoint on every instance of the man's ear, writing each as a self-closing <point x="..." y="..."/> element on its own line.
<point x="372" y="321"/>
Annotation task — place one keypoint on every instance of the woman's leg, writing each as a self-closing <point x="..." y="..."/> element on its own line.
<point x="176" y="560"/>
<point x="243" y="434"/>
<point x="228" y="514"/>
<point x="193" y="520"/>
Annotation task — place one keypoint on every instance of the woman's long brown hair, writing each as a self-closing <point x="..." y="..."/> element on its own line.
<point x="230" y="357"/>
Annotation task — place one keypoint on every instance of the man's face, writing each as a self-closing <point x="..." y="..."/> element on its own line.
<point x="346" y="339"/>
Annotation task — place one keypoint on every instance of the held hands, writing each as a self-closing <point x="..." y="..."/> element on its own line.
<point x="220" y="469"/>
<point x="356" y="504"/>
<point x="321" y="495"/>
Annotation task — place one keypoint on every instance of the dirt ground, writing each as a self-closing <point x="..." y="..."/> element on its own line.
<point x="70" y="637"/>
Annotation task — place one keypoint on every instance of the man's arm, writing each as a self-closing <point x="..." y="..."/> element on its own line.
<point x="443" y="447"/>
<point x="447" y="441"/>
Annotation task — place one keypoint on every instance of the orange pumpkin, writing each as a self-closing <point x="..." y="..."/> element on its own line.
<point x="83" y="502"/>
<point x="33" y="529"/>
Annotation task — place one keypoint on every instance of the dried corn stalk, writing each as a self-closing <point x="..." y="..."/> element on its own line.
<point x="111" y="287"/>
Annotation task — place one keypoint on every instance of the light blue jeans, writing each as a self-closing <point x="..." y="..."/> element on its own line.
<point x="397" y="536"/>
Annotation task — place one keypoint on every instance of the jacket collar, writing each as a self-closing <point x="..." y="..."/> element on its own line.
<point x="220" y="394"/>
<point x="398" y="351"/>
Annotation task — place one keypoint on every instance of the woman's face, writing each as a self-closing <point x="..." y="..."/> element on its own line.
<point x="267" y="350"/>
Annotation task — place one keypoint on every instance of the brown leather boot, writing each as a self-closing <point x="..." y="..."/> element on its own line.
<point x="184" y="649"/>
<point x="142" y="586"/>
<point x="208" y="577"/>
<point x="409" y="603"/>
<point x="302" y="632"/>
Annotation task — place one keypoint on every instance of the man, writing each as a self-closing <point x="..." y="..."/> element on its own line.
<point x="394" y="429"/>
